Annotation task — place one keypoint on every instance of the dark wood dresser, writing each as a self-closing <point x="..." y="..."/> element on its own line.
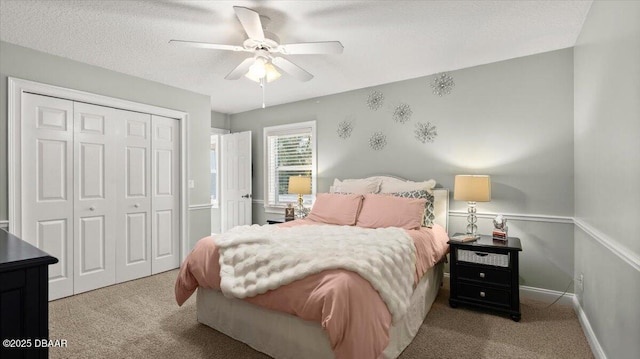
<point x="24" y="292"/>
<point x="484" y="274"/>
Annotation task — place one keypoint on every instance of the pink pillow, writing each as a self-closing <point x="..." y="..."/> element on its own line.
<point x="334" y="208"/>
<point x="380" y="211"/>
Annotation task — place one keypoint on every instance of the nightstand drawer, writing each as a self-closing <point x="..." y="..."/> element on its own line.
<point x="483" y="294"/>
<point x="486" y="258"/>
<point x="484" y="275"/>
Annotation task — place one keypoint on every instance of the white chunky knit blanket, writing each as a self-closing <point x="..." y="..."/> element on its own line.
<point x="255" y="259"/>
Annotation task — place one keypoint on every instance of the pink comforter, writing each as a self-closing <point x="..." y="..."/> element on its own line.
<point x="356" y="319"/>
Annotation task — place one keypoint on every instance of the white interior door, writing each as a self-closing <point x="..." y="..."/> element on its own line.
<point x="133" y="239"/>
<point x="235" y="183"/>
<point x="95" y="221"/>
<point x="47" y="184"/>
<point x="165" y="207"/>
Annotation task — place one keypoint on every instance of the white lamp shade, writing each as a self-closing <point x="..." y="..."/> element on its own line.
<point x="472" y="188"/>
<point x="299" y="185"/>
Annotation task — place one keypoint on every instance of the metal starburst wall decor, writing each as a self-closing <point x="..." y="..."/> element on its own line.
<point x="375" y="100"/>
<point x="345" y="128"/>
<point x="425" y="132"/>
<point x="442" y="84"/>
<point x="377" y="141"/>
<point x="402" y="113"/>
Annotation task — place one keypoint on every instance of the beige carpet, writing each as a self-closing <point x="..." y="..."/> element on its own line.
<point x="140" y="319"/>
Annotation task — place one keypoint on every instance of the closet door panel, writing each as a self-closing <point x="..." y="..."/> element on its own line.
<point x="164" y="226"/>
<point x="92" y="245"/>
<point x="136" y="249"/>
<point x="165" y="202"/>
<point x="51" y="169"/>
<point x="133" y="243"/>
<point x="47" y="184"/>
<point x="52" y="238"/>
<point x="95" y="197"/>
<point x="92" y="167"/>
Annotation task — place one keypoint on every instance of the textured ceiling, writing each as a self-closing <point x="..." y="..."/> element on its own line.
<point x="384" y="41"/>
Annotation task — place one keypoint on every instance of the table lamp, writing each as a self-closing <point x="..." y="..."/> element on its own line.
<point x="472" y="188"/>
<point x="300" y="185"/>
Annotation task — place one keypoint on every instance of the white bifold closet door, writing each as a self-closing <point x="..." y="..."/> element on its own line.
<point x="96" y="133"/>
<point x="166" y="198"/>
<point x="47" y="184"/>
<point x="100" y="192"/>
<point x="133" y="237"/>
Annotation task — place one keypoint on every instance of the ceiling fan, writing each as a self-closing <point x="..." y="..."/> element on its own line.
<point x="265" y="45"/>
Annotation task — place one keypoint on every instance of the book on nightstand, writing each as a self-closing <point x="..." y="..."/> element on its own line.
<point x="463" y="238"/>
<point x="499" y="235"/>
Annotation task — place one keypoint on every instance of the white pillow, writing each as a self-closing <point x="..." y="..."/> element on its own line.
<point x="357" y="186"/>
<point x="395" y="186"/>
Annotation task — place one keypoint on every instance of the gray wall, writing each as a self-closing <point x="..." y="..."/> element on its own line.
<point x="512" y="120"/>
<point x="219" y="120"/>
<point x="607" y="174"/>
<point x="24" y="63"/>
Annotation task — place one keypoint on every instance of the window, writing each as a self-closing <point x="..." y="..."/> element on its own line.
<point x="214" y="154"/>
<point x="290" y="150"/>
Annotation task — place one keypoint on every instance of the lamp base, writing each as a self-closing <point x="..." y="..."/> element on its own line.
<point x="472" y="219"/>
<point x="301" y="211"/>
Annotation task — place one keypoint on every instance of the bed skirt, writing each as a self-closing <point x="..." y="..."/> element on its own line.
<point x="285" y="336"/>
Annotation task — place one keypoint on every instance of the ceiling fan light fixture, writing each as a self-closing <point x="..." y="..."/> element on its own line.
<point x="272" y="73"/>
<point x="257" y="70"/>
<point x="261" y="69"/>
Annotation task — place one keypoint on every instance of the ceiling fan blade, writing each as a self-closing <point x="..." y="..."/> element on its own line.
<point x="306" y="48"/>
<point x="292" y="69"/>
<point x="250" y="21"/>
<point x="207" y="45"/>
<point x="241" y="69"/>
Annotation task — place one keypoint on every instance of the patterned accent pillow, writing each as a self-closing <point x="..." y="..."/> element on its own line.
<point x="429" y="215"/>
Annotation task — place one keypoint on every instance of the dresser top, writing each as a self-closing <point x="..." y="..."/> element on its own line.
<point x="16" y="253"/>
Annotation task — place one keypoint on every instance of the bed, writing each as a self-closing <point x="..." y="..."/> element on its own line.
<point x="294" y="328"/>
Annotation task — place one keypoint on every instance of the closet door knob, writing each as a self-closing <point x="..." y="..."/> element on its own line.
<point x="137" y="205"/>
<point x="92" y="208"/>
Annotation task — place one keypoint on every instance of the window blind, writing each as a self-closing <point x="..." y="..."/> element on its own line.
<point x="290" y="153"/>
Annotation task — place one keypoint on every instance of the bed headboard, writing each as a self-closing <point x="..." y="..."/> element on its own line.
<point x="441" y="200"/>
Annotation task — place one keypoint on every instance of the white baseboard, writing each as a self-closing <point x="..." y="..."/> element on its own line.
<point x="546" y="295"/>
<point x="4" y="224"/>
<point x="588" y="331"/>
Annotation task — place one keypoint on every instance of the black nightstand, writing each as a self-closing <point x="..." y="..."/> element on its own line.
<point x="24" y="289"/>
<point x="484" y="274"/>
